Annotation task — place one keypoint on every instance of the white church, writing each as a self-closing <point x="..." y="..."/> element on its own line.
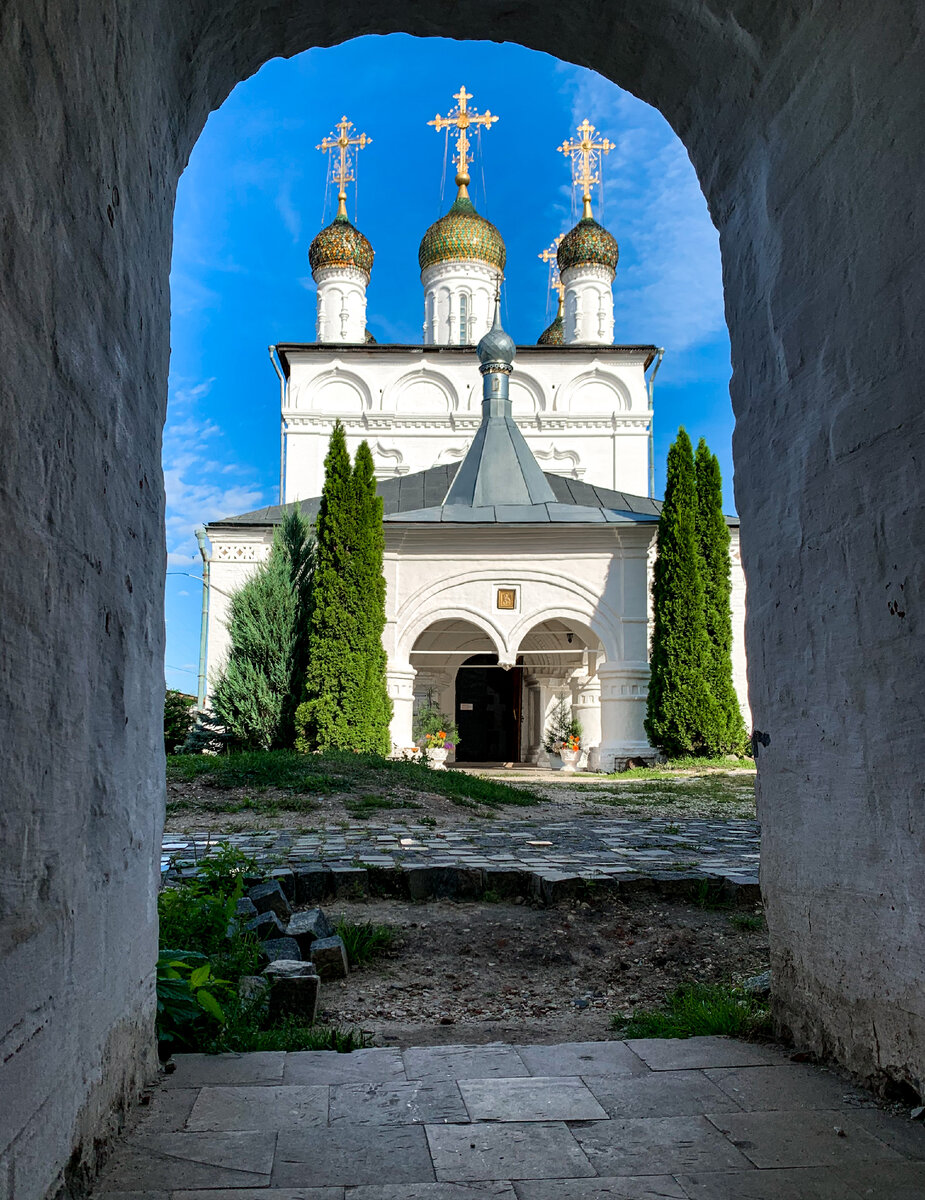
<point x="517" y="481"/>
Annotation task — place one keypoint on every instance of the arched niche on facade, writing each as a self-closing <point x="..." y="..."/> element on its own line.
<point x="337" y="392"/>
<point x="594" y="392"/>
<point x="421" y="393"/>
<point x="527" y="398"/>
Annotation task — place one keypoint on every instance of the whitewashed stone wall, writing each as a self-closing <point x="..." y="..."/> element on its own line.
<point x="584" y="413"/>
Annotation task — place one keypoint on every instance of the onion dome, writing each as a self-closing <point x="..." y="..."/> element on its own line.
<point x="554" y="335"/>
<point x="462" y="234"/>
<point x="496" y="350"/>
<point x="341" y="244"/>
<point x="588" y="242"/>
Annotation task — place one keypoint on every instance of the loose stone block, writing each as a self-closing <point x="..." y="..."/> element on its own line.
<point x="245" y="909"/>
<point x="253" y="987"/>
<point x="267" y="926"/>
<point x="268" y="897"/>
<point x="308" y="927"/>
<point x="330" y="957"/>
<point x="452" y="883"/>
<point x="313" y="884"/>
<point x="350" y="882"/>
<point x="294" y="990"/>
<point x="285" y="947"/>
<point x="285" y="877"/>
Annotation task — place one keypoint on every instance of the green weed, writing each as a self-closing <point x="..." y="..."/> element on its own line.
<point x="700" y="1010"/>
<point x="711" y="894"/>
<point x="364" y="941"/>
<point x="747" y="922"/>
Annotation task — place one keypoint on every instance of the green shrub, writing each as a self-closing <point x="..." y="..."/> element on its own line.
<point x="178" y="718"/>
<point x="700" y="1010"/>
<point x="561" y="727"/>
<point x="188" y="1007"/>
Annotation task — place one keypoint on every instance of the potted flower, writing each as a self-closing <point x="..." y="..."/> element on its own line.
<point x="563" y="737"/>
<point x="436" y="733"/>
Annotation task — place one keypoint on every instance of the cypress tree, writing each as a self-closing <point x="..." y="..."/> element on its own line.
<point x="370" y="582"/>
<point x="681" y="715"/>
<point x="296" y="536"/>
<point x="345" y="705"/>
<point x="252" y="694"/>
<point x="713" y="548"/>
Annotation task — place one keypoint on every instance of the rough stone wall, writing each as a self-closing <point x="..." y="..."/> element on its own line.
<point x="804" y="123"/>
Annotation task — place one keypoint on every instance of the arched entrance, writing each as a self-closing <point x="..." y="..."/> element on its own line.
<point x="488" y="710"/>
<point x="810" y="178"/>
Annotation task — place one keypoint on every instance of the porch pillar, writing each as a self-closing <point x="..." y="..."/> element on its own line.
<point x="400" y="683"/>
<point x="624" y="690"/>
<point x="545" y="690"/>
<point x="586" y="708"/>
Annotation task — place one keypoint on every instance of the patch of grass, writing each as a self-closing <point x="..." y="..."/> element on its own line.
<point x="747" y="922"/>
<point x="364" y="806"/>
<point x="364" y="941"/>
<point x="324" y="774"/>
<point x="243" y="1032"/>
<point x="668" y="770"/>
<point x="700" y="1010"/>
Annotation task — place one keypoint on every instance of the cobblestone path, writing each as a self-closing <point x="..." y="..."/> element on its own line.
<point x="588" y="849"/>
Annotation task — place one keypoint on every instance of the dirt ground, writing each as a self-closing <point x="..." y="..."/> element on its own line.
<point x="481" y="972"/>
<point x="199" y="805"/>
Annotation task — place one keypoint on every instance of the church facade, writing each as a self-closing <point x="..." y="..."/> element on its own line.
<point x="517" y="484"/>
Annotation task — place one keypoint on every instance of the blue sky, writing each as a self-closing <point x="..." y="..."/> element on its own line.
<point x="254" y="195"/>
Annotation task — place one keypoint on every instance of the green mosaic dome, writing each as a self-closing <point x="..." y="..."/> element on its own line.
<point x="462" y="234"/>
<point x="340" y="244"/>
<point x="554" y="335"/>
<point x="588" y="242"/>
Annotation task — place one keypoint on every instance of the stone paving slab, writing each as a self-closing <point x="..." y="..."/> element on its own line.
<point x="534" y="1099"/>
<point x="617" y="851"/>
<point x="703" y="1119"/>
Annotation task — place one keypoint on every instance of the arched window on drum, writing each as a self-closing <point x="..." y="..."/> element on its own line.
<point x="464" y="319"/>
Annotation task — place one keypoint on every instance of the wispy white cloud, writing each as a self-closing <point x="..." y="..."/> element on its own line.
<point x="196" y="475"/>
<point x="669" y="282"/>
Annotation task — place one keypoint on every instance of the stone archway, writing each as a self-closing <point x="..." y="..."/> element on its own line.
<point x="804" y="125"/>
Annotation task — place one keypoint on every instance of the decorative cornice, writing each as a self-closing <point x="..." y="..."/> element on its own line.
<point x="453" y="422"/>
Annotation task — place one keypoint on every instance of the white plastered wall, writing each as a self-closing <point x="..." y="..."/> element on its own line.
<point x="584" y="414"/>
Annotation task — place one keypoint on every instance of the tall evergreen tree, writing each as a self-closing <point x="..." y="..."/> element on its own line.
<point x="370" y="583"/>
<point x="681" y="714"/>
<point x="296" y="536"/>
<point x="713" y="548"/>
<point x="345" y="705"/>
<point x="253" y="695"/>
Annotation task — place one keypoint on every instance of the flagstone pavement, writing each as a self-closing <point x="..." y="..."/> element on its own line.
<point x="590" y="849"/>
<point x="702" y="1119"/>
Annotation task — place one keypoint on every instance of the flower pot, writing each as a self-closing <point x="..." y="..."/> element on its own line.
<point x="569" y="759"/>
<point x="436" y="758"/>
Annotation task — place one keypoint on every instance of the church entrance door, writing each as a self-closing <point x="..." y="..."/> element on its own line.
<point x="488" y="710"/>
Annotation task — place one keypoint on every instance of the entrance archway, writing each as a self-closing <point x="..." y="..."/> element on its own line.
<point x="810" y="177"/>
<point x="488" y="708"/>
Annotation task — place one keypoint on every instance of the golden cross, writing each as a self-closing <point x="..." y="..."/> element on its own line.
<point x="343" y="166"/>
<point x="549" y="256"/>
<point x="586" y="160"/>
<point x="463" y="117"/>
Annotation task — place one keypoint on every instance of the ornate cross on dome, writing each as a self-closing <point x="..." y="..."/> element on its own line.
<point x="586" y="154"/>
<point x="463" y="117"/>
<point x="549" y="256"/>
<point x="343" y="164"/>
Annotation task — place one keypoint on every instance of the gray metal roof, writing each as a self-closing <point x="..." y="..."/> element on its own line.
<point x="418" y="498"/>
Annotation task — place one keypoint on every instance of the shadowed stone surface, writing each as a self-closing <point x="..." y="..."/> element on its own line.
<point x="581" y="1058"/>
<point x="327" y="1066"/>
<point x="269" y="1108"/>
<point x="802" y="1139"/>
<point x="699" y="1053"/>
<point x="354" y="1155"/>
<point x="436" y="1191"/>
<point x="464" y="1062"/>
<point x="891" y="1181"/>
<point x="649" y="1187"/>
<point x="397" y="1103"/>
<point x="540" y="1150"/>
<point x="810" y="1184"/>
<point x="559" y="1099"/>
<point x="165" y="1161"/>
<point x="795" y="1085"/>
<point x="657" y="1146"/>
<point x="660" y="1094"/>
<point x="199" y="1070"/>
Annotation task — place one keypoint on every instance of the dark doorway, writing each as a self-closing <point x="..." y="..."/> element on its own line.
<point x="488" y="710"/>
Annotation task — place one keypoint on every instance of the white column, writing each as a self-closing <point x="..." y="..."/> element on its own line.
<point x="547" y="687"/>
<point x="341" y="304"/>
<point x="400" y="684"/>
<point x="586" y="708"/>
<point x="624" y="690"/>
<point x="588" y="305"/>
